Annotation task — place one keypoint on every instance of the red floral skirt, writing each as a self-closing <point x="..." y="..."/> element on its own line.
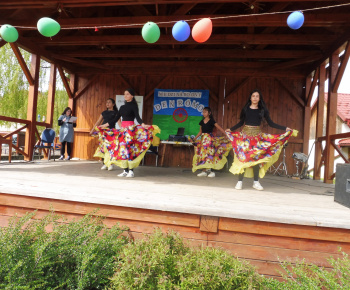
<point x="210" y="152"/>
<point x="125" y="147"/>
<point x="252" y="147"/>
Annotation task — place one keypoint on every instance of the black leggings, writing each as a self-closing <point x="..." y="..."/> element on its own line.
<point x="63" y="148"/>
<point x="255" y="171"/>
<point x="127" y="169"/>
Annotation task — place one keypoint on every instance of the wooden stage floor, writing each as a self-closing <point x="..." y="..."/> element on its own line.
<point x="289" y="220"/>
<point x="284" y="200"/>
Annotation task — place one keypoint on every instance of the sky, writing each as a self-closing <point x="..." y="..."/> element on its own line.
<point x="344" y="87"/>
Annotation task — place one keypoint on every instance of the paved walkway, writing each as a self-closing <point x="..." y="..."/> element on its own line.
<point x="284" y="200"/>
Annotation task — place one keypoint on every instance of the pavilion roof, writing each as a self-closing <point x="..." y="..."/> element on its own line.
<point x="249" y="37"/>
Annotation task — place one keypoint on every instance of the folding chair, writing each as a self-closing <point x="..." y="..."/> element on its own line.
<point x="47" y="136"/>
<point x="153" y="149"/>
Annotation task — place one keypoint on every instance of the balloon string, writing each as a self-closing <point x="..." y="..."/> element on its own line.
<point x="194" y="19"/>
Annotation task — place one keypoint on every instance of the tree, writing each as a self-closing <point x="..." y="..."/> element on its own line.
<point x="14" y="88"/>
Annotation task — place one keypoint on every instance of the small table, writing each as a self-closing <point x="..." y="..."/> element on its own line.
<point x="165" y="143"/>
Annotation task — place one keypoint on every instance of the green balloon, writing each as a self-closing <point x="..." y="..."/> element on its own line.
<point x="48" y="27"/>
<point x="150" y="32"/>
<point x="8" y="33"/>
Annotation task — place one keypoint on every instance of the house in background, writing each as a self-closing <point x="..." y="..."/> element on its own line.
<point x="342" y="126"/>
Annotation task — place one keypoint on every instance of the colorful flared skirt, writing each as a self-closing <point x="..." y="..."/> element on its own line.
<point x="125" y="147"/>
<point x="210" y="152"/>
<point x="252" y="147"/>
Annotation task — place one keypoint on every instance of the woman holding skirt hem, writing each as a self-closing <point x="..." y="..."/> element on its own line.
<point x="210" y="151"/>
<point x="126" y="147"/>
<point x="254" y="150"/>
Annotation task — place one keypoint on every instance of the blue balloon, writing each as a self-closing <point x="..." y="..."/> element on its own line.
<point x="295" y="20"/>
<point x="181" y="30"/>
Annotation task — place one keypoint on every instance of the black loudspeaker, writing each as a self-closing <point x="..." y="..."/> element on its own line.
<point x="342" y="184"/>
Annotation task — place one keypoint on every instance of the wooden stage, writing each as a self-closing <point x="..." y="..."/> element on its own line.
<point x="290" y="219"/>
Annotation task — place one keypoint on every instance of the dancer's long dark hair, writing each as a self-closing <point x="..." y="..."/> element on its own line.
<point x="132" y="92"/>
<point x="114" y="105"/>
<point x="65" y="111"/>
<point x="261" y="106"/>
<point x="210" y="113"/>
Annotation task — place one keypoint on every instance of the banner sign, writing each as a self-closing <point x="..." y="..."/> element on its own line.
<point x="179" y="108"/>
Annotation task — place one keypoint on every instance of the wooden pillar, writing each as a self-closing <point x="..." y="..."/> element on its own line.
<point x="307" y="117"/>
<point x="319" y="122"/>
<point x="331" y="117"/>
<point x="72" y="87"/>
<point x="32" y="106"/>
<point x="221" y="97"/>
<point x="51" y="95"/>
<point x="142" y="92"/>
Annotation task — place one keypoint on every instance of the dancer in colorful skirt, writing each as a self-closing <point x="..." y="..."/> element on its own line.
<point x="210" y="151"/>
<point x="127" y="147"/>
<point x="255" y="151"/>
<point x="106" y="116"/>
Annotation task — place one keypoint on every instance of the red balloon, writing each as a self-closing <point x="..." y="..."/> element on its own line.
<point x="201" y="31"/>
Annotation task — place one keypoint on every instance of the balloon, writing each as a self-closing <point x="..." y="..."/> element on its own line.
<point x="201" y="31"/>
<point x="295" y="20"/>
<point x="48" y="27"/>
<point x="150" y="32"/>
<point x="9" y="33"/>
<point x="181" y="30"/>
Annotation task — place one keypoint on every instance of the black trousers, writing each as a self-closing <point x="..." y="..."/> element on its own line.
<point x="255" y="171"/>
<point x="63" y="148"/>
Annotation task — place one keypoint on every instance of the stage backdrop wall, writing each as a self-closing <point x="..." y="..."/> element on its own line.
<point x="226" y="102"/>
<point x="179" y="108"/>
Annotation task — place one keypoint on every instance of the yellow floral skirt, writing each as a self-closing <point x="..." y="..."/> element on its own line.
<point x="125" y="147"/>
<point x="211" y="152"/>
<point x="252" y="147"/>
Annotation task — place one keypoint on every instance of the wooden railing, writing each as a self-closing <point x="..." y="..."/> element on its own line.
<point x="7" y="138"/>
<point x="331" y="140"/>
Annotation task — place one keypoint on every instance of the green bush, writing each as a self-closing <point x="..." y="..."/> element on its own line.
<point x="163" y="261"/>
<point x="302" y="276"/>
<point x="52" y="253"/>
<point x="76" y="255"/>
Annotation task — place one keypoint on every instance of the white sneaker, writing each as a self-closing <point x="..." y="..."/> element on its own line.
<point x="110" y="168"/>
<point x="211" y="174"/>
<point x="130" y="174"/>
<point x="202" y="174"/>
<point x="257" y="185"/>
<point x="104" y="167"/>
<point x="61" y="158"/>
<point x="123" y="174"/>
<point x="239" y="185"/>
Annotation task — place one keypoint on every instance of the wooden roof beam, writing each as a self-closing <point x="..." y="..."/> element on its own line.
<point x="313" y="86"/>
<point x="290" y="91"/>
<point x="79" y="61"/>
<point x="65" y="82"/>
<point x="336" y="45"/>
<point x="183" y="64"/>
<point x="274" y="20"/>
<point x="200" y="53"/>
<point x="22" y="63"/>
<point x="93" y="3"/>
<point x="44" y="54"/>
<point x="341" y="69"/>
<point x="276" y="39"/>
<point x="276" y="8"/>
<point x="184" y="9"/>
<point x="197" y="71"/>
<point x="138" y="10"/>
